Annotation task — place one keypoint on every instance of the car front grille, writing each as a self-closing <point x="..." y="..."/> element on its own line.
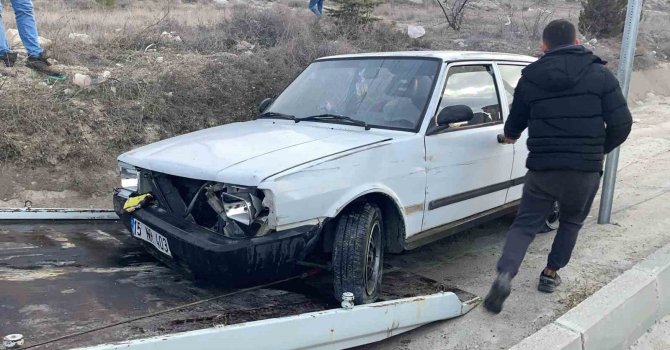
<point x="176" y="194"/>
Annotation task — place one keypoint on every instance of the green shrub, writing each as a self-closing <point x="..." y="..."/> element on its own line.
<point x="602" y="18"/>
<point x="106" y="3"/>
<point x="8" y="151"/>
<point x="354" y="12"/>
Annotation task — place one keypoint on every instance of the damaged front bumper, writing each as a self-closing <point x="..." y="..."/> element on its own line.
<point x="211" y="256"/>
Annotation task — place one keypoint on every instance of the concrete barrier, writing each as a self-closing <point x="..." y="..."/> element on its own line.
<point x="552" y="337"/>
<point x="615" y="316"/>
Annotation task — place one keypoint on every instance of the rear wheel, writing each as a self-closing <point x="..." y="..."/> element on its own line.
<point x="358" y="253"/>
<point x="552" y="221"/>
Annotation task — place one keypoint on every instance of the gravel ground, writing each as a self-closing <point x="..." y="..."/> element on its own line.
<point x="658" y="338"/>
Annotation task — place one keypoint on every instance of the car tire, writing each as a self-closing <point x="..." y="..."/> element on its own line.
<point x="552" y="221"/>
<point x="358" y="253"/>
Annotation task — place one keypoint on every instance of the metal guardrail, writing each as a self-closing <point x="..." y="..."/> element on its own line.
<point x="324" y="330"/>
<point x="29" y="213"/>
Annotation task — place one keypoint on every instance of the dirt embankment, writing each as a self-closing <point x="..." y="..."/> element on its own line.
<point x="160" y="69"/>
<point x="655" y="81"/>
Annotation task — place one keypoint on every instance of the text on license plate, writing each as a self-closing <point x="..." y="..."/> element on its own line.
<point x="143" y="232"/>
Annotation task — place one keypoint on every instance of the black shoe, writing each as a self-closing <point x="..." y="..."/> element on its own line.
<point x="548" y="283"/>
<point x="499" y="292"/>
<point x="42" y="65"/>
<point x="9" y="59"/>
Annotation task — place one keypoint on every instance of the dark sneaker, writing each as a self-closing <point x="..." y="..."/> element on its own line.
<point x="42" y="65"/>
<point x="9" y="59"/>
<point x="499" y="292"/>
<point x="547" y="283"/>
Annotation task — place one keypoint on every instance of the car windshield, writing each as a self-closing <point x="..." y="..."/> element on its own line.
<point x="381" y="92"/>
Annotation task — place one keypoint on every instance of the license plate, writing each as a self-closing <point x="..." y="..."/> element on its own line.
<point x="143" y="232"/>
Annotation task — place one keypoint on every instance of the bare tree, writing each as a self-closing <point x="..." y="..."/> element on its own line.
<point x="454" y="11"/>
<point x="536" y="21"/>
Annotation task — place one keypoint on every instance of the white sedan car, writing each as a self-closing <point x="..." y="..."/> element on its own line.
<point x="360" y="156"/>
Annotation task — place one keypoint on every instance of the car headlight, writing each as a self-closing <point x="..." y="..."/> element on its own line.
<point x="241" y="204"/>
<point x="129" y="176"/>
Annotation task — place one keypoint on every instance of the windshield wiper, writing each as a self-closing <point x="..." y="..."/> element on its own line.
<point x="276" y="115"/>
<point x="335" y="117"/>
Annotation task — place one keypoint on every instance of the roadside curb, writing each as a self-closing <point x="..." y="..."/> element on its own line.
<point x="615" y="316"/>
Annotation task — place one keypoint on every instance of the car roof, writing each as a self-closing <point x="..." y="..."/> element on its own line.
<point x="447" y="56"/>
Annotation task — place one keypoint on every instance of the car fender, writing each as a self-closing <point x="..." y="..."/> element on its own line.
<point x="361" y="191"/>
<point x="322" y="190"/>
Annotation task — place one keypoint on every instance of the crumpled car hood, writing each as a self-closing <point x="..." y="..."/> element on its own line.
<point x="246" y="153"/>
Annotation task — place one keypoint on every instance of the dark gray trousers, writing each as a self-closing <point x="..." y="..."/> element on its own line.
<point x="574" y="190"/>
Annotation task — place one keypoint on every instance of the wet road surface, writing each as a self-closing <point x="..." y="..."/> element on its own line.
<point x="62" y="278"/>
<point x="57" y="279"/>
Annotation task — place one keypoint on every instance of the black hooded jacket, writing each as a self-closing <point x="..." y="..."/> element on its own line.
<point x="573" y="108"/>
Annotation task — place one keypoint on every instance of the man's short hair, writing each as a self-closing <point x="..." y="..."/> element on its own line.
<point x="558" y="33"/>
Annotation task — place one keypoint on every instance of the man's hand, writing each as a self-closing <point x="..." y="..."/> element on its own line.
<point x="506" y="140"/>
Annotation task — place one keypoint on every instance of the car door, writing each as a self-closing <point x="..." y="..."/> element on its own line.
<point x="467" y="170"/>
<point x="509" y="74"/>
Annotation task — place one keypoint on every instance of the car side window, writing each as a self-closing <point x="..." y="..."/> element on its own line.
<point x="475" y="87"/>
<point x="510" y="75"/>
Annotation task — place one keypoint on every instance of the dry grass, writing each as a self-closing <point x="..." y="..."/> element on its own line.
<point x="203" y="80"/>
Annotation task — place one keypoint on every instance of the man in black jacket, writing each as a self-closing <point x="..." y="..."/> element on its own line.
<point x="575" y="113"/>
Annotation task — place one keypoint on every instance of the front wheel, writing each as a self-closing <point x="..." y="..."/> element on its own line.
<point x="358" y="253"/>
<point x="552" y="221"/>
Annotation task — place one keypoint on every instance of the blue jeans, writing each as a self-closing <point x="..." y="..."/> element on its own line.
<point x="316" y="6"/>
<point x="25" y="22"/>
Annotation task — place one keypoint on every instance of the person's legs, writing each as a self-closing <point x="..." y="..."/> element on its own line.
<point x="575" y="206"/>
<point x="25" y="23"/>
<point x="6" y="55"/>
<point x="575" y="201"/>
<point x="536" y="203"/>
<point x="320" y="5"/>
<point x="314" y="6"/>
<point x="4" y="45"/>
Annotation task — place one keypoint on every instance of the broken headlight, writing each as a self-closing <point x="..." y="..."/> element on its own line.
<point x="240" y="208"/>
<point x="241" y="204"/>
<point x="129" y="176"/>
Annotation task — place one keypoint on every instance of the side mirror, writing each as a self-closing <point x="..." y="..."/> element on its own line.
<point x="454" y="114"/>
<point x="265" y="104"/>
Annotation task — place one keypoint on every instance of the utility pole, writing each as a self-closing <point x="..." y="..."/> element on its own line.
<point x="626" y="57"/>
